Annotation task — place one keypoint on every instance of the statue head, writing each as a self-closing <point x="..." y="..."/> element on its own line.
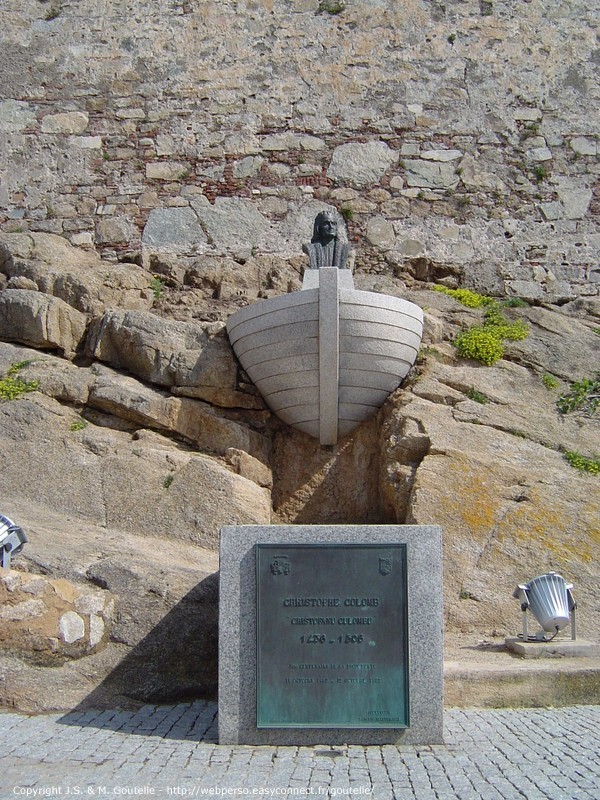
<point x="325" y="227"/>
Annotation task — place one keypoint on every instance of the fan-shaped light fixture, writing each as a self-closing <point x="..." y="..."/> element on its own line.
<point x="12" y="540"/>
<point x="551" y="602"/>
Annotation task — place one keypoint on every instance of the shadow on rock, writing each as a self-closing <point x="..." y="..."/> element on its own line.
<point x="314" y="485"/>
<point x="175" y="663"/>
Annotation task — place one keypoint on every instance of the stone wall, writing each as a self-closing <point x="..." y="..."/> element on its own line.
<point x="455" y="138"/>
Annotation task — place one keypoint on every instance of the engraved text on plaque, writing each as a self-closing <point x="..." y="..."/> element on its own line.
<point x="332" y="636"/>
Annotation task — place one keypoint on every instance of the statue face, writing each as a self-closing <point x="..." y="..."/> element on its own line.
<point x="328" y="227"/>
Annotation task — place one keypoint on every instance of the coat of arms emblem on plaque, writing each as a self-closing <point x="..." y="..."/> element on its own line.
<point x="385" y="566"/>
<point x="281" y="565"/>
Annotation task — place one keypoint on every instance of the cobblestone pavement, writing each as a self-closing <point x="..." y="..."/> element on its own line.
<point x="536" y="754"/>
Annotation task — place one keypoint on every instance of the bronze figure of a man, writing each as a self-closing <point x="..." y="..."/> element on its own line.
<point x="325" y="248"/>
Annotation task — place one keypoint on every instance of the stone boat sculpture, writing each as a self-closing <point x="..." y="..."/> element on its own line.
<point x="325" y="358"/>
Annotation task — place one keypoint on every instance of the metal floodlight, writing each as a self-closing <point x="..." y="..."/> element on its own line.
<point x="12" y="540"/>
<point x="551" y="602"/>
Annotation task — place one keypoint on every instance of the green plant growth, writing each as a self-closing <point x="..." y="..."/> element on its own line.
<point x="332" y="6"/>
<point x="484" y="343"/>
<point x="504" y="328"/>
<point x="157" y="285"/>
<point x="477" y="396"/>
<point x="515" y="302"/>
<point x="583" y="463"/>
<point x="433" y="352"/>
<point x="479" y="344"/>
<point x="540" y="172"/>
<point x="583" y="397"/>
<point x="347" y="212"/>
<point x="466" y="297"/>
<point x="168" y="481"/>
<point x="12" y="386"/>
<point x="78" y="425"/>
<point x="495" y="320"/>
<point x="549" y="381"/>
<point x="519" y="434"/>
<point x="18" y="366"/>
<point x="52" y="13"/>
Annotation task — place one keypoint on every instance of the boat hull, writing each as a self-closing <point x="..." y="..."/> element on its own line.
<point x="330" y="346"/>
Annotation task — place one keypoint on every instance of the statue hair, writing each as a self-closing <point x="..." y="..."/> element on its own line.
<point x="316" y="237"/>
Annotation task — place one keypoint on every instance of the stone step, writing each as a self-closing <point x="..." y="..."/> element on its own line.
<point x="491" y="676"/>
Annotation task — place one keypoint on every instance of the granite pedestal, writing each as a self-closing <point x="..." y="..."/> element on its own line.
<point x="238" y="633"/>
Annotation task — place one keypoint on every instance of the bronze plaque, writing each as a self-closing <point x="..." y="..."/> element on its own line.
<point x="332" y="636"/>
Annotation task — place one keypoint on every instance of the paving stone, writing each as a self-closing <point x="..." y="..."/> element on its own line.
<point x="488" y="755"/>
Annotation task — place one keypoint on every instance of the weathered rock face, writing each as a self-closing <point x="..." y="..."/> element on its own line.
<point x="479" y="450"/>
<point x="122" y="486"/>
<point x="49" y="621"/>
<point x="121" y="478"/>
<point x="48" y="263"/>
<point x="125" y="448"/>
<point x="164" y="352"/>
<point x="524" y="512"/>
<point x="161" y="636"/>
<point x="41" y="321"/>
<point x="328" y="486"/>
